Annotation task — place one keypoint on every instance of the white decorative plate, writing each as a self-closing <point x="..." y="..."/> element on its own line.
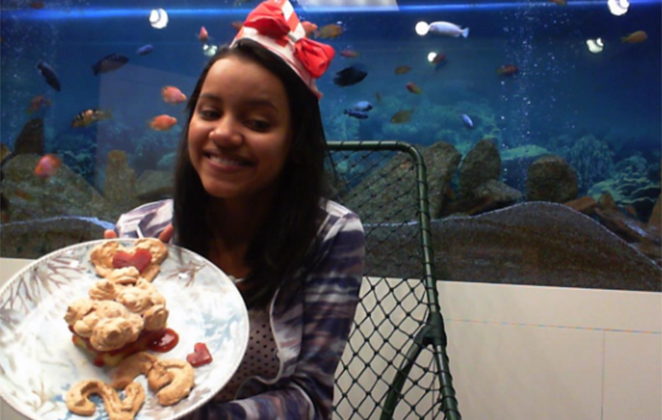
<point x="39" y="362"/>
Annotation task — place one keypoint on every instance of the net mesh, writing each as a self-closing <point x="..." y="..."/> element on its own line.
<point x="381" y="186"/>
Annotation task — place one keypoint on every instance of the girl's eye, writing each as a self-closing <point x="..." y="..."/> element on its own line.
<point x="258" y="125"/>
<point x="208" y="113"/>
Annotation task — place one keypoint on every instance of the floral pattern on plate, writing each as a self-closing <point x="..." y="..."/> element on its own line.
<point x="39" y="362"/>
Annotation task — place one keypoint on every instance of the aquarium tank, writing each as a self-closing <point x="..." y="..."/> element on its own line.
<point x="539" y="121"/>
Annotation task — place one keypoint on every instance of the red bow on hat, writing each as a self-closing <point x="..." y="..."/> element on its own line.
<point x="268" y="19"/>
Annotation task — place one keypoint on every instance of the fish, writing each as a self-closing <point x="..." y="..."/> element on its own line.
<point x="349" y="53"/>
<point x="362" y="106"/>
<point x="309" y="27"/>
<point x="635" y="37"/>
<point x="109" y="63"/>
<point x="145" y="49"/>
<point x="203" y="35"/>
<point x="49" y="74"/>
<point x="508" y="70"/>
<point x="448" y="29"/>
<point x="467" y="121"/>
<point x="559" y="2"/>
<point x="414" y="88"/>
<point x="361" y="115"/>
<point x="89" y="117"/>
<point x="350" y="76"/>
<point x="378" y="97"/>
<point x="23" y="194"/>
<point x="37" y="103"/>
<point x="162" y="122"/>
<point x="37" y="4"/>
<point x="402" y="69"/>
<point x="439" y="61"/>
<point x="401" y="116"/>
<point x="47" y="166"/>
<point x="330" y="31"/>
<point x="172" y="95"/>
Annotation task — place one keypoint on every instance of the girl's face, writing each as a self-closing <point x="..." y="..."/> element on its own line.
<point x="240" y="133"/>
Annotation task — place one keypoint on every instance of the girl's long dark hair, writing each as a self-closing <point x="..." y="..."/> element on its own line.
<point x="290" y="229"/>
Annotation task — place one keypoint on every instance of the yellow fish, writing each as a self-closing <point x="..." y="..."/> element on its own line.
<point x="329" y="31"/>
<point x="402" y="116"/>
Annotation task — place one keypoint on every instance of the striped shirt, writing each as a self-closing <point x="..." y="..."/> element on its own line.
<point x="311" y="315"/>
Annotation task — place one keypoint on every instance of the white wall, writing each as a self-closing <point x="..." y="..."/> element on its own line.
<point x="538" y="353"/>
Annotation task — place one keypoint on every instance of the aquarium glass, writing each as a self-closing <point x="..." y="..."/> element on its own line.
<point x="88" y="131"/>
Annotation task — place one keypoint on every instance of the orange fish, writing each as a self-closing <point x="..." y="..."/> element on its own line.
<point x="162" y="122"/>
<point x="172" y="95"/>
<point x="635" y="37"/>
<point x="560" y="2"/>
<point x="414" y="88"/>
<point x="402" y="69"/>
<point x="507" y="70"/>
<point x="349" y="53"/>
<point x="309" y="27"/>
<point x="47" y="166"/>
<point x="24" y="195"/>
<point x="330" y="31"/>
<point x="37" y="4"/>
<point x="38" y="102"/>
<point x="203" y="36"/>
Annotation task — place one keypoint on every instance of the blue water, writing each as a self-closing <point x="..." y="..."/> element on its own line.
<point x="561" y="94"/>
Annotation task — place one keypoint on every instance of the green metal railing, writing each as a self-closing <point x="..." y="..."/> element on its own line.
<point x="395" y="365"/>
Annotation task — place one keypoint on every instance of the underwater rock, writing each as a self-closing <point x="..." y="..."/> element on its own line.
<point x="480" y="165"/>
<point x="503" y="195"/>
<point x="35" y="238"/>
<point x="585" y="205"/>
<point x="392" y="187"/>
<point x="516" y="161"/>
<point x="31" y="138"/>
<point x="119" y="186"/>
<point x="533" y="243"/>
<point x="656" y="214"/>
<point x="550" y="178"/>
<point x="64" y="193"/>
<point x="490" y="195"/>
<point x="627" y="228"/>
<point x="155" y="185"/>
<point x="441" y="161"/>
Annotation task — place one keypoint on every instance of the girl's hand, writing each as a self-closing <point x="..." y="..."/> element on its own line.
<point x="163" y="236"/>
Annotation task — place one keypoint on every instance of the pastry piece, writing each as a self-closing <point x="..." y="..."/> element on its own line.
<point x="145" y="256"/>
<point x="131" y="367"/>
<point x="173" y="379"/>
<point x="113" y="329"/>
<point x="77" y="399"/>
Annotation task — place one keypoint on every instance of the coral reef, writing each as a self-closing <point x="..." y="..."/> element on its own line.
<point x="592" y="160"/>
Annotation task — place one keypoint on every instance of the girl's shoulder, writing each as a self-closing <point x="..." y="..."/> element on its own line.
<point x="338" y="219"/>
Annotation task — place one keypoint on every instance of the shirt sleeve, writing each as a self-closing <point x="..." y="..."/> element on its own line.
<point x="330" y="297"/>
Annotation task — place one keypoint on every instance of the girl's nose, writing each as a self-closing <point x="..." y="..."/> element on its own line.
<point x="226" y="133"/>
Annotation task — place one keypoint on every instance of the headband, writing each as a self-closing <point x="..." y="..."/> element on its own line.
<point x="275" y="26"/>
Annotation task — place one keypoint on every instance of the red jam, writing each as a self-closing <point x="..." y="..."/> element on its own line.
<point x="200" y="355"/>
<point x="166" y="342"/>
<point x="140" y="259"/>
<point x="160" y="341"/>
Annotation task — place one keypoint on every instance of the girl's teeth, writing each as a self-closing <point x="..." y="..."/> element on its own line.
<point x="224" y="161"/>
